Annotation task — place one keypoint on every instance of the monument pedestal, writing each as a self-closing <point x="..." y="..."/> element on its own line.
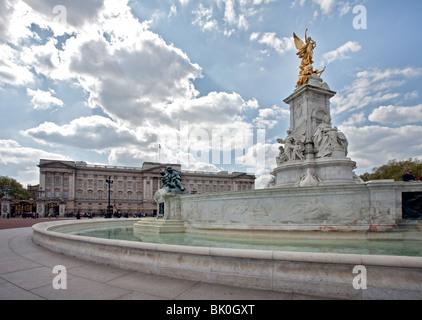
<point x="312" y="173"/>
<point x="5" y="207"/>
<point x="314" y="153"/>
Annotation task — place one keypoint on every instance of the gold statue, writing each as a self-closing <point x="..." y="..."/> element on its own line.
<point x="306" y="53"/>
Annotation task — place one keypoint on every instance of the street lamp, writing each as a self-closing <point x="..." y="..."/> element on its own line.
<point x="109" y="207"/>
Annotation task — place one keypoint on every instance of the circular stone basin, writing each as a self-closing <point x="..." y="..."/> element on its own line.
<point x="393" y="247"/>
<point x="314" y="267"/>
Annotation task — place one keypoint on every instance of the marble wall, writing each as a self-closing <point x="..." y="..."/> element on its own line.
<point x="373" y="206"/>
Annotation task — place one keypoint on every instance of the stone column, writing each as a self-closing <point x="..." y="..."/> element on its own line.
<point x="41" y="209"/>
<point x="62" y="209"/>
<point x="5" y="208"/>
<point x="309" y="104"/>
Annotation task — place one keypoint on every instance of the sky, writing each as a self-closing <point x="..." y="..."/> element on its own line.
<point x="201" y="83"/>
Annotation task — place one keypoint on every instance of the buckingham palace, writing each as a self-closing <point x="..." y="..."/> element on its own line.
<point x="68" y="187"/>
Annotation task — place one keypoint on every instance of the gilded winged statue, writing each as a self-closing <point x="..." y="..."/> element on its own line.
<point x="306" y="53"/>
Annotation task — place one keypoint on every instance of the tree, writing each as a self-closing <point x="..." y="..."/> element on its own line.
<point x="394" y="170"/>
<point x="16" y="190"/>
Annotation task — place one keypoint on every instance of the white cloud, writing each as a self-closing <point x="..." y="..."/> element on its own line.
<point x="270" y="39"/>
<point x="21" y="162"/>
<point x="214" y="109"/>
<point x="397" y="115"/>
<point x="44" y="100"/>
<point x="12" y="71"/>
<point x="373" y="86"/>
<point x="15" y="21"/>
<point x="326" y="6"/>
<point x="228" y="16"/>
<point x="372" y="146"/>
<point x="69" y="15"/>
<point x="204" y="18"/>
<point x="92" y="133"/>
<point x="412" y="95"/>
<point x="355" y="119"/>
<point x="6" y="9"/>
<point x="394" y="138"/>
<point x="344" y="8"/>
<point x="173" y="11"/>
<point x="341" y="53"/>
<point x="269" y="117"/>
<point x="119" y="62"/>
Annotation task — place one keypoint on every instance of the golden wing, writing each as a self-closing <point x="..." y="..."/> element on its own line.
<point x="298" y="42"/>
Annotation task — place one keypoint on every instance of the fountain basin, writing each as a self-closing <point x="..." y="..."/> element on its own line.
<point x="320" y="274"/>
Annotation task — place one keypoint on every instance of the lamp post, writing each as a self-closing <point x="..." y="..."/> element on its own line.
<point x="109" y="207"/>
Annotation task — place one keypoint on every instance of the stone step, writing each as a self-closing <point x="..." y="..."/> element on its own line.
<point x="410" y="225"/>
<point x="159" y="226"/>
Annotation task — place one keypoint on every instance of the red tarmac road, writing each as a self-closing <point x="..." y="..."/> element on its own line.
<point x="14" y="223"/>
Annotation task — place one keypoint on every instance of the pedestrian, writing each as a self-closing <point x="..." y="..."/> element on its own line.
<point x="408" y="176"/>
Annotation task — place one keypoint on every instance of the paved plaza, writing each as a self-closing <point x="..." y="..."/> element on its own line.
<point x="26" y="273"/>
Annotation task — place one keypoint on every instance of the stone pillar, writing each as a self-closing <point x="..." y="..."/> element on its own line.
<point x="5" y="208"/>
<point x="41" y="209"/>
<point x="62" y="209"/>
<point x="309" y="104"/>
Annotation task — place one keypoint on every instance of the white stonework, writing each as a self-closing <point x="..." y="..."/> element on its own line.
<point x="365" y="207"/>
<point x="319" y="274"/>
<point x="314" y="153"/>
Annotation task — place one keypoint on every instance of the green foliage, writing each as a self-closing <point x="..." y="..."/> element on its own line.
<point x="16" y="190"/>
<point x="394" y="170"/>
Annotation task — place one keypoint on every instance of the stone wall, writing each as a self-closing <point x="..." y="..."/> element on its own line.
<point x="373" y="206"/>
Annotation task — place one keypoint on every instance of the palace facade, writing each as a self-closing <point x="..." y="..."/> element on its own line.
<point x="68" y="187"/>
